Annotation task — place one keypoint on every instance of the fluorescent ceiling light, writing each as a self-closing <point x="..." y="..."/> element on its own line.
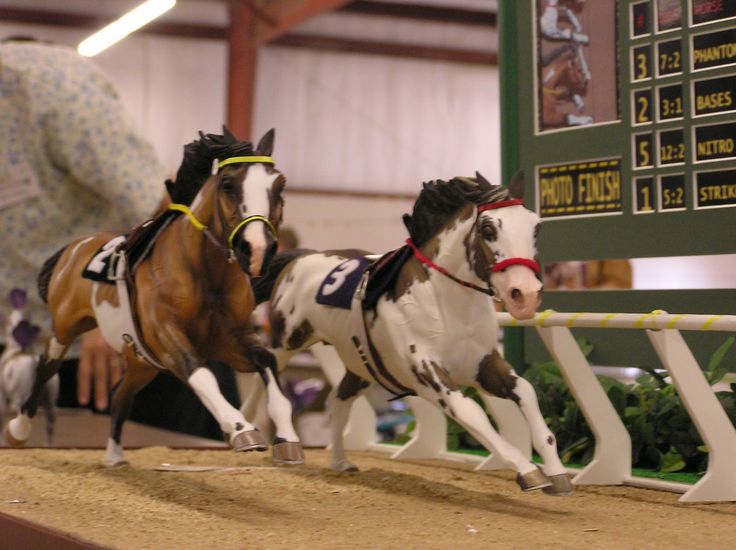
<point x="128" y="23"/>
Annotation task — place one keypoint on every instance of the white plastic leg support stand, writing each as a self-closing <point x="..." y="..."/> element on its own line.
<point x="611" y="463"/>
<point x="714" y="426"/>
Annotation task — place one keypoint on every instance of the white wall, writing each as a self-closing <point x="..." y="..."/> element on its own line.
<point x="344" y="121"/>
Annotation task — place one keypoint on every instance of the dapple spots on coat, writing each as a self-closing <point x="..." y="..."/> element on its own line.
<point x="496" y="376"/>
<point x="434" y="376"/>
<point x="444" y="377"/>
<point x="412" y="272"/>
<point x="350" y="386"/>
<point x="479" y="255"/>
<point x="278" y="327"/>
<point x="300" y="335"/>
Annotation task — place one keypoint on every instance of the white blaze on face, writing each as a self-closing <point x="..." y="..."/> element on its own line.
<point x="517" y="285"/>
<point x="256" y="186"/>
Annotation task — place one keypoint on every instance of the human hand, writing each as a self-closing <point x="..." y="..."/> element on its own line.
<point x="100" y="365"/>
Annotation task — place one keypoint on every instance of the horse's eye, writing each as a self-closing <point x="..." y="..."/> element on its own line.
<point x="228" y="185"/>
<point x="488" y="231"/>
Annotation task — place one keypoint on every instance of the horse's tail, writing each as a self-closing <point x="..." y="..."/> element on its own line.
<point x="263" y="286"/>
<point x="44" y="277"/>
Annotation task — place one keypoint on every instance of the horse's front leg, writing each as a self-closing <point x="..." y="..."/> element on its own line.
<point x="183" y="360"/>
<point x="497" y="377"/>
<point x="434" y="384"/>
<point x="287" y="448"/>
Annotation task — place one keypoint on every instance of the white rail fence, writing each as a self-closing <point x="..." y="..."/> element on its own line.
<point x="611" y="463"/>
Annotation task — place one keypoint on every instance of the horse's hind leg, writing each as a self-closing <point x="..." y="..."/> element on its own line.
<point x="341" y="401"/>
<point x="18" y="429"/>
<point x="136" y="377"/>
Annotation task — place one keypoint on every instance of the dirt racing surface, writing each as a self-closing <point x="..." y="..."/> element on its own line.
<point x="238" y="501"/>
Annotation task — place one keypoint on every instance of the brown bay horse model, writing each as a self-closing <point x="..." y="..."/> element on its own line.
<point x="186" y="299"/>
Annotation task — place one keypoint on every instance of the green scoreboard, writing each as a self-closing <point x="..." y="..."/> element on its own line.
<point x="623" y="115"/>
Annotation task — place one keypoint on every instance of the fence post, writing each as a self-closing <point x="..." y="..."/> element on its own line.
<point x="711" y="421"/>
<point x="611" y="463"/>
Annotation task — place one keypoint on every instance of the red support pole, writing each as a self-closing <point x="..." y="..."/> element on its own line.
<point x="242" y="56"/>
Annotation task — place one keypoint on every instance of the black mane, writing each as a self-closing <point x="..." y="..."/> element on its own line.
<point x="196" y="165"/>
<point x="440" y="200"/>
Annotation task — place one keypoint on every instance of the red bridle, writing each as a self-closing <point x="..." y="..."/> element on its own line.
<point x="500" y="266"/>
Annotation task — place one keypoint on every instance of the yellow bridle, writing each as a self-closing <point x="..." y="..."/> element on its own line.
<point x="202" y="227"/>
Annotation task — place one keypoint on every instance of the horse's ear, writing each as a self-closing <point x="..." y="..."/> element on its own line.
<point x="228" y="135"/>
<point x="265" y="146"/>
<point x="516" y="185"/>
<point x="407" y="222"/>
<point x="483" y="183"/>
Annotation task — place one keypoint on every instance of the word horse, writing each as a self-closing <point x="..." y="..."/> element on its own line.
<point x="434" y="326"/>
<point x="189" y="299"/>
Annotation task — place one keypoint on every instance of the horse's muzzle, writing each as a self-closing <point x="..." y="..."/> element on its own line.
<point x="253" y="260"/>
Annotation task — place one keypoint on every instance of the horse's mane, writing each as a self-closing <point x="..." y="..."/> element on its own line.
<point x="557" y="52"/>
<point x="440" y="200"/>
<point x="196" y="165"/>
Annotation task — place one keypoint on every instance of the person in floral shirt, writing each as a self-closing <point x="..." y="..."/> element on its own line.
<point x="71" y="163"/>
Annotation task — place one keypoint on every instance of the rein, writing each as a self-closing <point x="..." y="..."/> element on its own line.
<point x="228" y="251"/>
<point x="500" y="266"/>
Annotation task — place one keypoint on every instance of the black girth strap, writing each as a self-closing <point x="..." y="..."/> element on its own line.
<point x="366" y="350"/>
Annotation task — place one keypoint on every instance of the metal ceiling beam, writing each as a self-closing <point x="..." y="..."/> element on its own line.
<point x="276" y="17"/>
<point x="391" y="49"/>
<point x="423" y="12"/>
<point x="215" y="32"/>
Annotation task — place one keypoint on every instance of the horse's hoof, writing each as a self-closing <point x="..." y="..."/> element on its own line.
<point x="251" y="440"/>
<point x="533" y="480"/>
<point x="288" y="452"/>
<point x="345" y="466"/>
<point x="561" y="486"/>
<point x="12" y="441"/>
<point x="116" y="463"/>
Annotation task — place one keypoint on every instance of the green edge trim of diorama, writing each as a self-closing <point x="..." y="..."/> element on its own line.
<point x="513" y="338"/>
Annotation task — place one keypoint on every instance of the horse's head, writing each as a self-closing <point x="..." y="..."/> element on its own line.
<point x="250" y="203"/>
<point x="566" y="68"/>
<point x="238" y="189"/>
<point x="506" y="245"/>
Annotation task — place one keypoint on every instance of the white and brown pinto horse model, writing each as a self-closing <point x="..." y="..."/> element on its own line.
<point x="431" y="330"/>
<point x="189" y="297"/>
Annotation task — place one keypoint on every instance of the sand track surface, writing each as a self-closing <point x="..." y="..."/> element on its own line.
<point x="237" y="501"/>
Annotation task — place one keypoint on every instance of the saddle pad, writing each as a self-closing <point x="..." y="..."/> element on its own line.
<point x="99" y="266"/>
<point x="383" y="274"/>
<point x="339" y="286"/>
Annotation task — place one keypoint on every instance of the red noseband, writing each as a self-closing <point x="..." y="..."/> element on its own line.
<point x="531" y="264"/>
